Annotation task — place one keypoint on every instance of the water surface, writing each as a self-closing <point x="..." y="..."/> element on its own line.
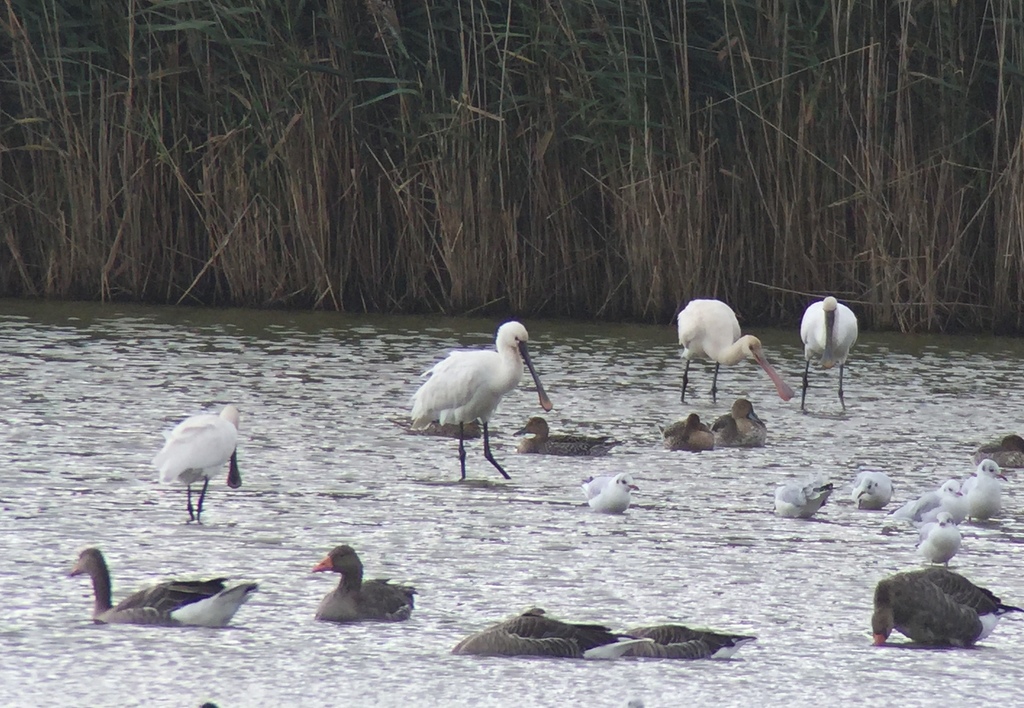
<point x="87" y="391"/>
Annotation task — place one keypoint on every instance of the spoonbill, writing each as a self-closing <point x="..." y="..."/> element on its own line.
<point x="828" y="330"/>
<point x="935" y="606"/>
<point x="708" y="329"/>
<point x="196" y="449"/>
<point x="468" y="385"/>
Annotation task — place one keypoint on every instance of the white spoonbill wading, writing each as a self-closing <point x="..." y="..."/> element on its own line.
<point x="468" y="385"/>
<point x="196" y="449"/>
<point x="828" y="330"/>
<point x="708" y="329"/>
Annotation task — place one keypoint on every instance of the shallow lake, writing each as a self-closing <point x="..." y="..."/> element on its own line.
<point x="87" y="390"/>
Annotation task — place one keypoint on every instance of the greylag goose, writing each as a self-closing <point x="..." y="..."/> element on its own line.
<point x="544" y="443"/>
<point x="533" y="633"/>
<point x="740" y="427"/>
<point x="828" y="330"/>
<point x="708" y="329"/>
<point x="468" y="385"/>
<point x="203" y="603"/>
<point x="675" y="641"/>
<point x="690" y="435"/>
<point x="935" y="606"/>
<point x="197" y="449"/>
<point x="354" y="600"/>
<point x="1008" y="452"/>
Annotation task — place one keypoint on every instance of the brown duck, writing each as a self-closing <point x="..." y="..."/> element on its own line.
<point x="690" y="435"/>
<point x="203" y="603"/>
<point x="1008" y="452"/>
<point x="354" y="600"/>
<point x="935" y="606"/>
<point x="740" y="427"/>
<point x="543" y="443"/>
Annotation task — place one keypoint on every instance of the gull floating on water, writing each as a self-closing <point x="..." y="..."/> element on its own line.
<point x="801" y="499"/>
<point x="940" y="539"/>
<point x="983" y="491"/>
<point x="607" y="494"/>
<point x="872" y="490"/>
<point x="926" y="508"/>
<point x="935" y="606"/>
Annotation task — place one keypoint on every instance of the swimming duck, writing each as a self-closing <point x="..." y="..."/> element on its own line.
<point x="543" y="443"/>
<point x="740" y="427"/>
<point x="690" y="435"/>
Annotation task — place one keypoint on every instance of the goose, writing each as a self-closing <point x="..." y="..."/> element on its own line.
<point x="1008" y="452"/>
<point x="675" y="641"/>
<point x="609" y="495"/>
<point x="533" y="633"/>
<point x="354" y="600"/>
<point x="940" y="539"/>
<point x="203" y="603"/>
<point x="983" y="492"/>
<point x="872" y="490"/>
<point x="690" y="435"/>
<point x="468" y="385"/>
<point x="801" y="500"/>
<point x="708" y="329"/>
<point x="740" y="427"/>
<point x="828" y="330"/>
<point x="196" y="449"/>
<point x="935" y="606"/>
<point x="543" y="443"/>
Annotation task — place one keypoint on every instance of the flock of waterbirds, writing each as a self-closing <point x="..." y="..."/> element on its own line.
<point x="933" y="606"/>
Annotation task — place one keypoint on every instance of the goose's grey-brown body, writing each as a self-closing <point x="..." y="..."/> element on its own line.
<point x="1008" y="452"/>
<point x="356" y="601"/>
<point x="690" y="435"/>
<point x="568" y="445"/>
<point x="533" y="633"/>
<point x="204" y="603"/>
<point x="675" y="641"/>
<point x="935" y="606"/>
<point x="740" y="427"/>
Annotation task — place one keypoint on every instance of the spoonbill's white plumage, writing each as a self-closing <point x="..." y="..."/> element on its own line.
<point x="708" y="329"/>
<point x="983" y="491"/>
<point x="468" y="385"/>
<point x="608" y="494"/>
<point x="939" y="540"/>
<point x="801" y="499"/>
<point x="196" y="449"/>
<point x="872" y="490"/>
<point x="927" y="507"/>
<point x="828" y="330"/>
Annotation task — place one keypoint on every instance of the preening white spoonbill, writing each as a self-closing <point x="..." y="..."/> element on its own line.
<point x="708" y="329"/>
<point x="196" y="449"/>
<point x="828" y="329"/>
<point x="468" y="385"/>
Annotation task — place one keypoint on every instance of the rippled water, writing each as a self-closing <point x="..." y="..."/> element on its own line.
<point x="87" y="390"/>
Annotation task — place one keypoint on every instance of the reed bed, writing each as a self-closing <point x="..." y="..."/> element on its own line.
<point x="591" y="158"/>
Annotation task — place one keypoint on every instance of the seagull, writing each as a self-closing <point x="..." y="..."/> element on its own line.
<point x="872" y="490"/>
<point x="926" y="507"/>
<point x="935" y="606"/>
<point x="801" y="500"/>
<point x="940" y="539"/>
<point x="983" y="491"/>
<point x="607" y="494"/>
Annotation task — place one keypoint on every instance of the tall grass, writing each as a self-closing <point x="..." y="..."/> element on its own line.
<point x="592" y="158"/>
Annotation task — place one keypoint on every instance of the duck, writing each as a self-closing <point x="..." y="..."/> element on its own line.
<point x="534" y="633"/>
<point x="543" y="443"/>
<point x="740" y="427"/>
<point x="676" y="641"/>
<point x="935" y="606"/>
<point x="470" y="430"/>
<point x="354" y="600"/>
<point x="939" y="540"/>
<point x="200" y="603"/>
<point x="801" y="499"/>
<point x="872" y="490"/>
<point x="983" y="492"/>
<point x="690" y="435"/>
<point x="1008" y="452"/>
<point x="609" y="494"/>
